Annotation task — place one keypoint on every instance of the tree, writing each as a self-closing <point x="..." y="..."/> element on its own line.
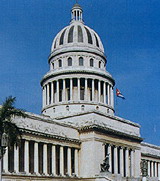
<point x="7" y="113"/>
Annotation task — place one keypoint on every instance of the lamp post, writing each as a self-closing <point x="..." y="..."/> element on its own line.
<point x="3" y="145"/>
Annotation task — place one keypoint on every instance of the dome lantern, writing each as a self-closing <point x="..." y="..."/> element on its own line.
<point x="76" y="13"/>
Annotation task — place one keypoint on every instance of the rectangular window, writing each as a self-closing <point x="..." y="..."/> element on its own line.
<point x="91" y="62"/>
<point x="65" y="160"/>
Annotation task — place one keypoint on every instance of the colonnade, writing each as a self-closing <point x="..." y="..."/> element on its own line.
<point x="78" y="89"/>
<point x="153" y="168"/>
<point x="121" y="160"/>
<point x="41" y="159"/>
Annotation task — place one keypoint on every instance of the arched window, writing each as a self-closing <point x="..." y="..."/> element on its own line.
<point x="60" y="63"/>
<point x="99" y="64"/>
<point x="81" y="61"/>
<point x="70" y="35"/>
<point x="69" y="61"/>
<point x="91" y="62"/>
<point x="52" y="65"/>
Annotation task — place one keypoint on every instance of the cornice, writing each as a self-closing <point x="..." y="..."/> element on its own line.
<point x="57" y="137"/>
<point x="111" y="132"/>
<point x="150" y="155"/>
<point x="65" y="72"/>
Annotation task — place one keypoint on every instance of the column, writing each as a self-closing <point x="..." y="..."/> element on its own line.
<point x="115" y="161"/>
<point x="57" y="90"/>
<point x="132" y="163"/>
<point x="112" y="93"/>
<point x="78" y="89"/>
<point x="53" y="159"/>
<point x="149" y="169"/>
<point x="52" y="92"/>
<point x="36" y="158"/>
<point x="26" y="156"/>
<point x="86" y="96"/>
<point x="159" y="171"/>
<point x="104" y="92"/>
<point x="45" y="159"/>
<point x="92" y="89"/>
<point x="64" y="90"/>
<point x="99" y="91"/>
<point x="110" y="158"/>
<point x="108" y="88"/>
<point x="71" y="89"/>
<point x="16" y="159"/>
<point x="155" y="169"/>
<point x="121" y="162"/>
<point x="48" y="94"/>
<point x="5" y="161"/>
<point x="61" y="161"/>
<point x="152" y="170"/>
<point x="43" y="94"/>
<point x="69" y="161"/>
<point x="127" y="162"/>
<point x="76" y="162"/>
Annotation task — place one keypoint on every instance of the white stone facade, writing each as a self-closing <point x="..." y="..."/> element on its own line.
<point x="78" y="128"/>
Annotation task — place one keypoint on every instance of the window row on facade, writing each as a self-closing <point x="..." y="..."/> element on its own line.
<point x="41" y="159"/>
<point x="81" y="62"/>
<point x="77" y="89"/>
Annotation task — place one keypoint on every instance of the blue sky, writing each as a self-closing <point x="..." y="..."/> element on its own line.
<point x="130" y="32"/>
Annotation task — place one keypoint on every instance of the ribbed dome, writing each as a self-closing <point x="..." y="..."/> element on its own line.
<point x="77" y="34"/>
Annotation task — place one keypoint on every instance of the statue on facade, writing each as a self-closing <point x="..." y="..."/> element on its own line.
<point x="105" y="165"/>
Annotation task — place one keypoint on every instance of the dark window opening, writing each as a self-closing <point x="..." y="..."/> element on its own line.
<point x="31" y="157"/>
<point x="11" y="159"/>
<point x="72" y="160"/>
<point x="89" y="36"/>
<point x="65" y="159"/>
<point x="60" y="63"/>
<point x="69" y="61"/>
<point x="62" y="37"/>
<point x="70" y="35"/>
<point x="40" y="157"/>
<point x="91" y="62"/>
<point x="80" y="34"/>
<point x="81" y="61"/>
<point x="99" y="64"/>
<point x="21" y="156"/>
<point x="97" y="43"/>
<point x="57" y="159"/>
<point x="112" y="153"/>
<point x="49" y="159"/>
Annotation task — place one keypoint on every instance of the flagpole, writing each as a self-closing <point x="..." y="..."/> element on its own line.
<point x="116" y="110"/>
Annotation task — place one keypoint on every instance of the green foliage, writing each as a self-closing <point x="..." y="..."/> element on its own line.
<point x="7" y="113"/>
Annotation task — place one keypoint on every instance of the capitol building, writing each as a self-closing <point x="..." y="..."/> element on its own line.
<point x="78" y="136"/>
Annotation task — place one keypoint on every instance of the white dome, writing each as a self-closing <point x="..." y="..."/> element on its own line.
<point x="77" y="35"/>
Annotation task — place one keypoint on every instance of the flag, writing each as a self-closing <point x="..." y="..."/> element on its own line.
<point x="119" y="94"/>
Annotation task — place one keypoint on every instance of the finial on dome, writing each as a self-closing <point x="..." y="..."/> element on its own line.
<point x="76" y="12"/>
